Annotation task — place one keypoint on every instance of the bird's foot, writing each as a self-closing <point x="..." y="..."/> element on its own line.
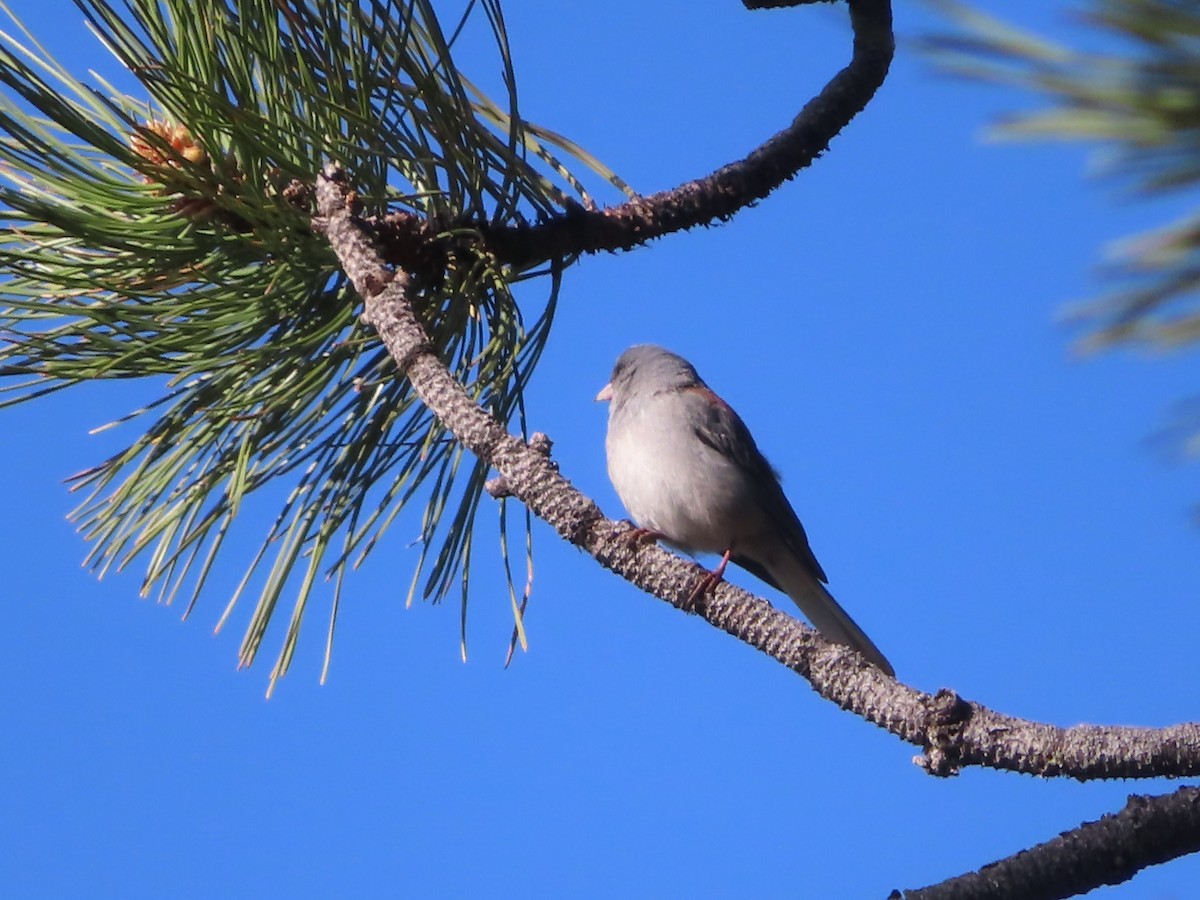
<point x="635" y="536"/>
<point x="709" y="581"/>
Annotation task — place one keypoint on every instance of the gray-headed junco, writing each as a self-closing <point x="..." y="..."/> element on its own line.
<point x="686" y="468"/>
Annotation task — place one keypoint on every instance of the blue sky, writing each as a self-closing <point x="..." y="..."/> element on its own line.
<point x="988" y="504"/>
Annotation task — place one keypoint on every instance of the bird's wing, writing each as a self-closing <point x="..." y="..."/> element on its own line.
<point x="723" y="430"/>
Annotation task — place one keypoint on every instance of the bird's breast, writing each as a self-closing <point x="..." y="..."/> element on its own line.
<point x="673" y="483"/>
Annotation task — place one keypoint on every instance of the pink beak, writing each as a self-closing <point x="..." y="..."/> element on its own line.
<point x="605" y="394"/>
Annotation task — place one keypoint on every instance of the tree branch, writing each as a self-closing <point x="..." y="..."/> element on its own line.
<point x="952" y="731"/>
<point x="717" y="196"/>
<point x="1148" y="831"/>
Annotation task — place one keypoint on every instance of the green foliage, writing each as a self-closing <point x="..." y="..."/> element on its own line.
<point x="1140" y="101"/>
<point x="167" y="235"/>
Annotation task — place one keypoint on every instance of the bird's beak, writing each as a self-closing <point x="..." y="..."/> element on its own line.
<point x="605" y="394"/>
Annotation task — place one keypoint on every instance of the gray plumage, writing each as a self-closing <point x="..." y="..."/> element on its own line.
<point x="686" y="467"/>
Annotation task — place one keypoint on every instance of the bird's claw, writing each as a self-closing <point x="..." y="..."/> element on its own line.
<point x="710" y="580"/>
<point x="636" y="536"/>
<point x="703" y="586"/>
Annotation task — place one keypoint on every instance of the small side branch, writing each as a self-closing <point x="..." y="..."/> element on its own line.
<point x="715" y="197"/>
<point x="1148" y="831"/>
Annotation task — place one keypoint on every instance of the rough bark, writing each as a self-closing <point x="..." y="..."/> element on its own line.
<point x="1148" y="831"/>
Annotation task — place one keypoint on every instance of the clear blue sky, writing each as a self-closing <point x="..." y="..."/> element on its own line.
<point x="986" y="503"/>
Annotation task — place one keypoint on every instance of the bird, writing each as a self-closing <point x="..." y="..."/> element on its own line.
<point x="689" y="473"/>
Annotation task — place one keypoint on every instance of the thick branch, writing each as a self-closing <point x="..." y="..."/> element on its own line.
<point x="1148" y="831"/>
<point x="952" y="731"/>
<point x="705" y="200"/>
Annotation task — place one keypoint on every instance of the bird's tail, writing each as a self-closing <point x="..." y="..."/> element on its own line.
<point x="823" y="611"/>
